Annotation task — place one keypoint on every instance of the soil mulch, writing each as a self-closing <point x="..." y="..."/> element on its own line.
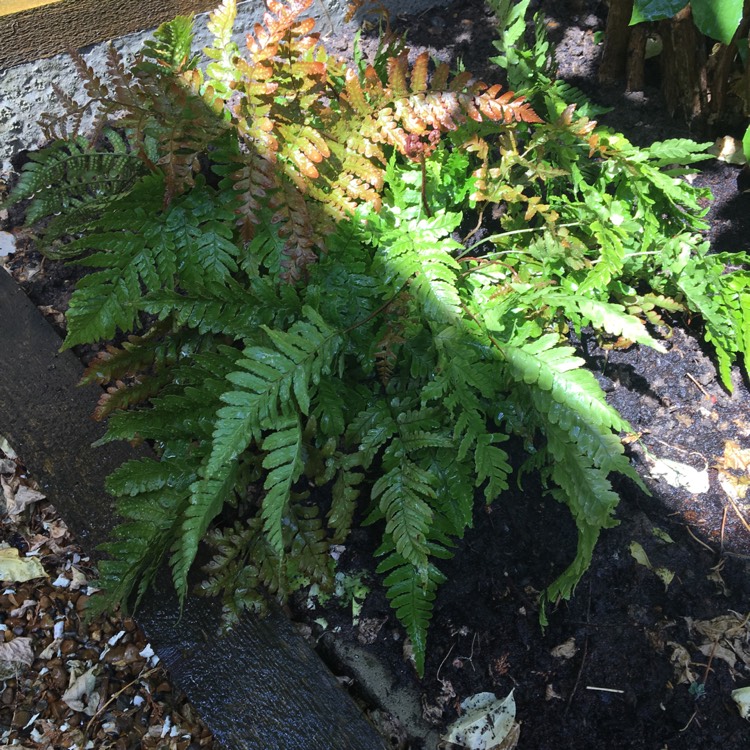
<point x="66" y="682"/>
<point x="644" y="656"/>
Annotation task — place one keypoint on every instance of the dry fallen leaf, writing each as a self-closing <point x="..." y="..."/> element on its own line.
<point x="17" y="569"/>
<point x="15" y="655"/>
<point x="51" y="312"/>
<point x="679" y="475"/>
<point x="734" y="470"/>
<point x="741" y="697"/>
<point x="714" y="651"/>
<point x="16" y="502"/>
<point x="7" y="247"/>
<point x="487" y="724"/>
<point x="82" y="687"/>
<point x="735" y="457"/>
<point x="724" y="626"/>
<point x="729" y="150"/>
<point x="734" y="487"/>
<point x="639" y="554"/>
<point x="681" y="662"/>
<point x="6" y="448"/>
<point x="565" y="650"/>
<point x="727" y="636"/>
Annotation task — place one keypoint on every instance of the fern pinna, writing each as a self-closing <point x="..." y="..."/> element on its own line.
<point x="303" y="335"/>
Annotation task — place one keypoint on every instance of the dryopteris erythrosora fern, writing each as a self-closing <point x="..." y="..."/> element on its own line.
<point x="310" y="317"/>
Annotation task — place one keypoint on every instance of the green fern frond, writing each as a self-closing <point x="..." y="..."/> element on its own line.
<point x="74" y="183"/>
<point x="222" y="72"/>
<point x="344" y="493"/>
<point x="677" y="151"/>
<point x="229" y="311"/>
<point x="491" y="465"/>
<point x="242" y="571"/>
<point x="284" y="463"/>
<point x="453" y="505"/>
<point x="272" y="384"/>
<point x="331" y="410"/>
<point x="372" y="428"/>
<point x="135" y="355"/>
<point x="172" y="45"/>
<point x="102" y="304"/>
<point x="419" y="250"/>
<point x="612" y="319"/>
<point x="153" y="494"/>
<point x="403" y="494"/>
<point x="139" y="476"/>
<point x="208" y="496"/>
<point x="411" y="592"/>
<point x="553" y="368"/>
<point x="232" y="574"/>
<point x="127" y="395"/>
<point x="309" y="549"/>
<point x="589" y="495"/>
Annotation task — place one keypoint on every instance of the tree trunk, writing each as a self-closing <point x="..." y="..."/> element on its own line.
<point x="636" y="58"/>
<point x="683" y="68"/>
<point x="616" y="39"/>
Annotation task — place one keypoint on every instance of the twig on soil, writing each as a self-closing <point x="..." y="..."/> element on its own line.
<point x="583" y="655"/>
<point x="471" y="654"/>
<point x="702" y="543"/>
<point x="604" y="690"/>
<point x="711" y="398"/>
<point x="708" y="663"/>
<point x="739" y="513"/>
<point x="115" y="696"/>
<point x="437" y="676"/>
<point x="690" y="721"/>
<point x="723" y="524"/>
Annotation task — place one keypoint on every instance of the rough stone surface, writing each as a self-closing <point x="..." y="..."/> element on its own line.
<point x="27" y="90"/>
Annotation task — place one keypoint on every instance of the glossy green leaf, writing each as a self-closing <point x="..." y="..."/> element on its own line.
<point x="655" y="10"/>
<point x="717" y="19"/>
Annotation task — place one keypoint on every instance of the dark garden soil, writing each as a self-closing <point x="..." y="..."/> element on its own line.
<point x="646" y="654"/>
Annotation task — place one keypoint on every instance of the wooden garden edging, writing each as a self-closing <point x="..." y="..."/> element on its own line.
<point x="261" y="687"/>
<point x="42" y="28"/>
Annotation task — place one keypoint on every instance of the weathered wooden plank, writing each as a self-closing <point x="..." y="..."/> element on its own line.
<point x="259" y="688"/>
<point x="50" y="29"/>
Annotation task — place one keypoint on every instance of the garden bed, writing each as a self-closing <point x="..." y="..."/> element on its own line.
<point x="646" y="654"/>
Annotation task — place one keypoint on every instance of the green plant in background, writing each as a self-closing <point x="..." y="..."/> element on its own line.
<point x="529" y="67"/>
<point x="717" y="19"/>
<point x="311" y="326"/>
<point x="703" y="56"/>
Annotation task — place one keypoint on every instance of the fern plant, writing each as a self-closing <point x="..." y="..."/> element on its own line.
<point x="308" y="329"/>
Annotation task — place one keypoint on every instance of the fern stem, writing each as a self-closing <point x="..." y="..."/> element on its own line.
<point x="498" y="237"/>
<point x="483" y="263"/>
<point x="478" y="226"/>
<point x="376" y="312"/>
<point x="483" y="328"/>
<point x="424" y="185"/>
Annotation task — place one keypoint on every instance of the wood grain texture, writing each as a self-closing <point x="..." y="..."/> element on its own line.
<point x="259" y="688"/>
<point x="51" y="29"/>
